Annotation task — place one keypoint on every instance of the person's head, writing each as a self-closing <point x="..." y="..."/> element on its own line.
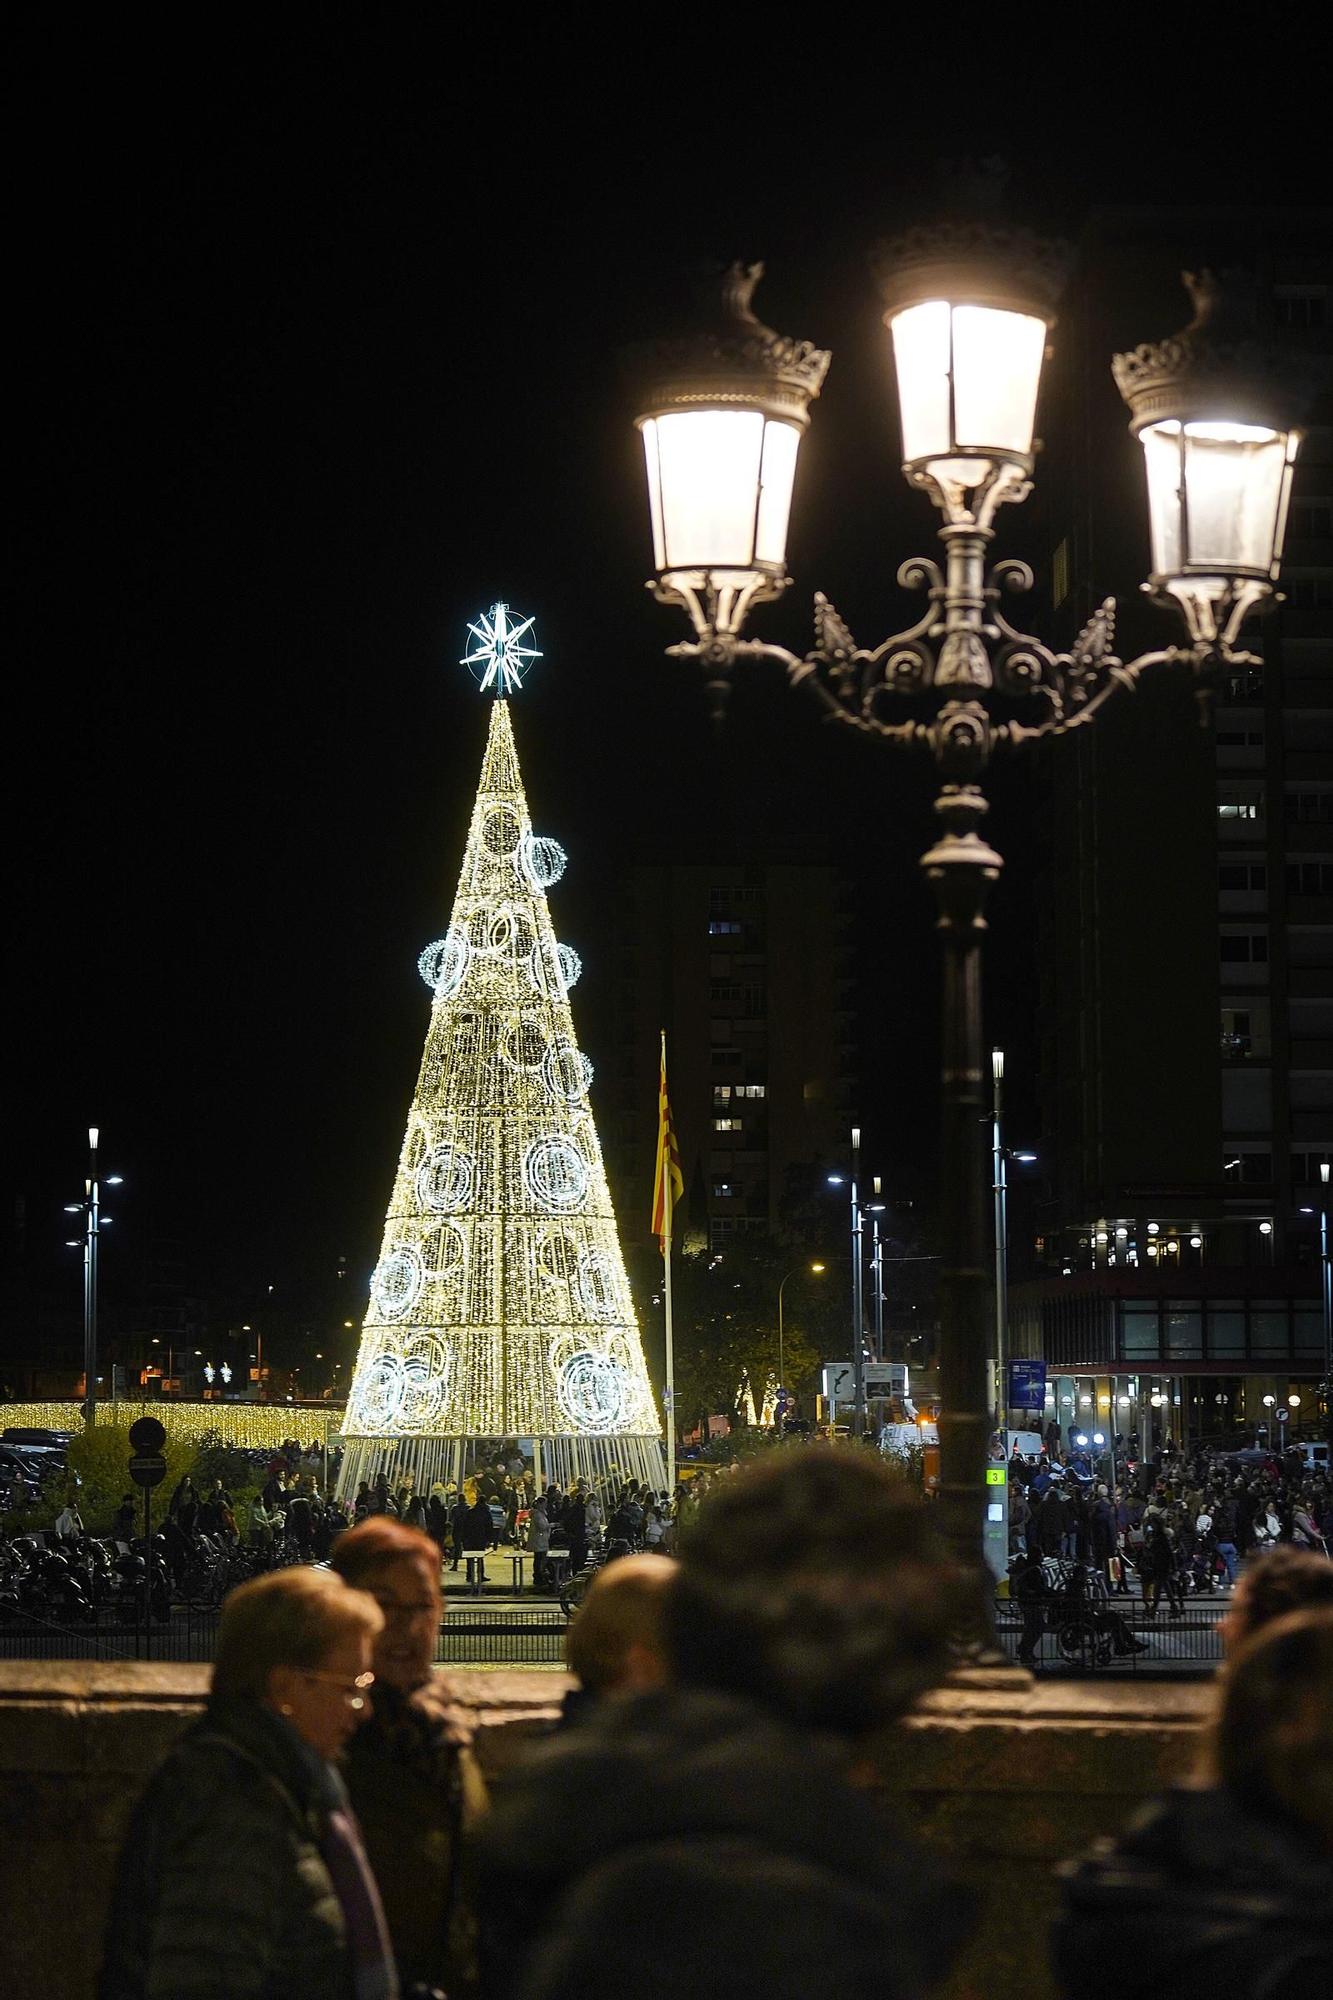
<point x="400" y="1568"/>
<point x="470" y="1492"/>
<point x="1271" y="1741"/>
<point x="615" y="1644"/>
<point x="1280" y="1581"/>
<point x="815" y="1583"/>
<point x="300" y="1641"/>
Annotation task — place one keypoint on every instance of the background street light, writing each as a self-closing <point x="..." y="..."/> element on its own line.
<point x="874" y="1210"/>
<point x="1000" y="1157"/>
<point x="817" y="1268"/>
<point x="1325" y="1273"/>
<point x="969" y="309"/>
<point x="858" y="1306"/>
<point x="95" y="1222"/>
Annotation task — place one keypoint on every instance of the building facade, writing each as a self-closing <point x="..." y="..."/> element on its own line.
<point x="1186" y="899"/>
<point x="748" y="970"/>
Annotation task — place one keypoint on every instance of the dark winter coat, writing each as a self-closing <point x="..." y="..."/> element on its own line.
<point x="1050" y="1523"/>
<point x="1102" y="1535"/>
<point x="474" y="1527"/>
<point x="704" y="1846"/>
<point x="222" y="1892"/>
<point x="1201" y="1897"/>
<point x="407" y="1769"/>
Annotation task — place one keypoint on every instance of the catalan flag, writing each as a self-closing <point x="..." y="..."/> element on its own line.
<point x="668" y="1181"/>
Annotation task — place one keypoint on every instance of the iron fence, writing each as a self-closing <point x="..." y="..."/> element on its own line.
<point x="475" y="1637"/>
<point x="189" y="1634"/>
<point x="1116" y="1635"/>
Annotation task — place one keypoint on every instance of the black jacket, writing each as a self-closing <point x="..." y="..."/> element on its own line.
<point x="1201" y="1897"/>
<point x="685" y="1842"/>
<point x="473" y="1527"/>
<point x="222" y="1892"/>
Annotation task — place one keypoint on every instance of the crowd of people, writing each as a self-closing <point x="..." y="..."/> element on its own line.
<point x="706" y="1817"/>
<point x="287" y="1510"/>
<point x="502" y="1505"/>
<point x="1175" y="1523"/>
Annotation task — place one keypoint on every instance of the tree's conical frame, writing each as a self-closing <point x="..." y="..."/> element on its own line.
<point x="500" y="1307"/>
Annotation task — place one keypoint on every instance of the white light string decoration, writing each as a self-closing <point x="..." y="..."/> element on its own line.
<point x="500" y="1306"/>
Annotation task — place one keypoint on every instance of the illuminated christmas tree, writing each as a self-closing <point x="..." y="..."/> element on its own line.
<point x="500" y="1306"/>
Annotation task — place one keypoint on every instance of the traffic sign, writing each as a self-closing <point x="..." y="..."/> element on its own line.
<point x="148" y="1468"/>
<point x="147" y="1435"/>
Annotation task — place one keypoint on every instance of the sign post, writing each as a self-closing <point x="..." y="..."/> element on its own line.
<point x="148" y="1468"/>
<point x="995" y="1532"/>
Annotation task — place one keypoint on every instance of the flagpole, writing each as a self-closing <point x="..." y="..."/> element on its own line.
<point x="667" y="1206"/>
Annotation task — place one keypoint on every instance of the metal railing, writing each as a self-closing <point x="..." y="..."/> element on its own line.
<point x="475" y="1636"/>
<point x="1116" y="1635"/>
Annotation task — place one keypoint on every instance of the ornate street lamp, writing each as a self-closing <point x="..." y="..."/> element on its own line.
<point x="968" y="310"/>
<point x="723" y="413"/>
<point x="1216" y="414"/>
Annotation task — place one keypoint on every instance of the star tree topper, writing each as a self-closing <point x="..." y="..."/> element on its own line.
<point x="497" y="649"/>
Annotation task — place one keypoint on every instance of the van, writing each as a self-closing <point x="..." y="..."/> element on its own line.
<point x="1027" y="1443"/>
<point x="1314" y="1456"/>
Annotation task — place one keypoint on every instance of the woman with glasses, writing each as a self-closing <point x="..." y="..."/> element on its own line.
<point x="243" y="1873"/>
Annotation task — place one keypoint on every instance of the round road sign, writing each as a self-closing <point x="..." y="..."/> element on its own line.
<point x="148" y="1468"/>
<point x="147" y="1435"/>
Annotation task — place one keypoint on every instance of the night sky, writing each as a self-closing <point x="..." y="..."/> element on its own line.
<point x="314" y="355"/>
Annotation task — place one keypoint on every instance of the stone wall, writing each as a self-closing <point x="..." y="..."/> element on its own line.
<point x="1001" y="1776"/>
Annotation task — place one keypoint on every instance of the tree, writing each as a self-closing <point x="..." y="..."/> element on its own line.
<point x="97" y="1474"/>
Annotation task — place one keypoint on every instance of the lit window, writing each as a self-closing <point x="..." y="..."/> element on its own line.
<point x="727" y="1125"/>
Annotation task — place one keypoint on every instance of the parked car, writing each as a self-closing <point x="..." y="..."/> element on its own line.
<point x="11" y="1463"/>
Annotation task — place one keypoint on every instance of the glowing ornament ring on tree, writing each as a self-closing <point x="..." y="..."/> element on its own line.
<point x="443" y="964"/>
<point x="444" y="1180"/>
<point x="397" y="1283"/>
<point x="591" y="1391"/>
<point x="566" y="1072"/>
<point x="555" y="1174"/>
<point x="597" y="1285"/>
<point x="542" y="861"/>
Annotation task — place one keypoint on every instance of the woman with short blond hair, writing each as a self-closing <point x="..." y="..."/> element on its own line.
<point x="243" y="1875"/>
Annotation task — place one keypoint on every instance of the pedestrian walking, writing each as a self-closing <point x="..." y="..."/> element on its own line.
<point x="243" y="1873"/>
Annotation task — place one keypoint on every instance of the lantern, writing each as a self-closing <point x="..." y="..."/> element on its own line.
<point x="722" y="417"/>
<point x="1216" y="413"/>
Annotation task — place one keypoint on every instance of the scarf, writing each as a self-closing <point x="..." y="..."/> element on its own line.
<point x="374" y="1974"/>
